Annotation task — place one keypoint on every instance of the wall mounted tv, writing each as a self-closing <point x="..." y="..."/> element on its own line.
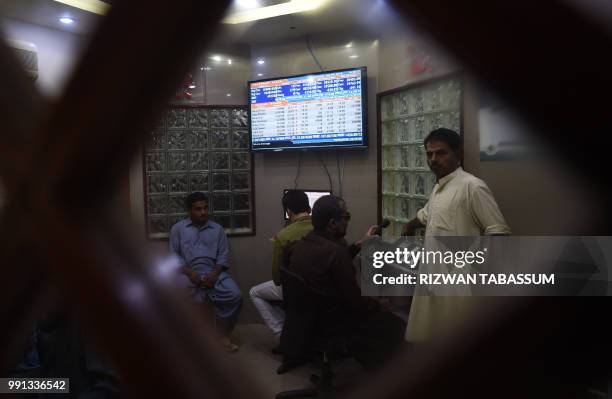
<point x="322" y="110"/>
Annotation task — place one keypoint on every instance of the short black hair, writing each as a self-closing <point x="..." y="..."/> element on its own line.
<point x="448" y="136"/>
<point x="326" y="208"/>
<point x="296" y="201"/>
<point x="195" y="197"/>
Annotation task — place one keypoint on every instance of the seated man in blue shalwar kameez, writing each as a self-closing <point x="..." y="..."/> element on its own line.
<point x="203" y="251"/>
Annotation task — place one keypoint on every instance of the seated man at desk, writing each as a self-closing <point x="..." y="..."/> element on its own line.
<point x="263" y="295"/>
<point x="324" y="260"/>
<point x="203" y="252"/>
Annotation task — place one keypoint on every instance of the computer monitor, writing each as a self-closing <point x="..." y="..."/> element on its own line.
<point x="312" y="195"/>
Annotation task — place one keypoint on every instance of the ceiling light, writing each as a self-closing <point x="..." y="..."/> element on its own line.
<point x="216" y="58"/>
<point x="290" y="7"/>
<point x="261" y="62"/>
<point x="66" y="20"/>
<point x="260" y="74"/>
<point x="207" y="68"/>
<point x="95" y="6"/>
<point x="229" y="94"/>
<point x="229" y="62"/>
<point x="192" y="86"/>
<point x="353" y="56"/>
<point x="349" y="45"/>
<point x="245" y="4"/>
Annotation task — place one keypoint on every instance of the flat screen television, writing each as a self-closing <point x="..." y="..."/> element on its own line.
<point x="322" y="110"/>
<point x="312" y="195"/>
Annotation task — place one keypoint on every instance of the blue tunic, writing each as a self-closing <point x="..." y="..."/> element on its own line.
<point x="201" y="249"/>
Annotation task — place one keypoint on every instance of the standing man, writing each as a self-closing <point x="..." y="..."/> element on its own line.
<point x="459" y="205"/>
<point x="264" y="295"/>
<point x="202" y="248"/>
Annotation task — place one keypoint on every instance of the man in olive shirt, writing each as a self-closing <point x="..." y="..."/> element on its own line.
<point x="266" y="296"/>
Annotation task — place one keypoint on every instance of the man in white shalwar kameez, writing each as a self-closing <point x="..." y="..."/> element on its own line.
<point x="460" y="205"/>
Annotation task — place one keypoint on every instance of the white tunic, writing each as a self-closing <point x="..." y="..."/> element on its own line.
<point x="460" y="205"/>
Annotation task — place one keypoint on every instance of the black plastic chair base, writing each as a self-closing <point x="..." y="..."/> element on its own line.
<point x="319" y="392"/>
<point x="298" y="393"/>
<point x="323" y="389"/>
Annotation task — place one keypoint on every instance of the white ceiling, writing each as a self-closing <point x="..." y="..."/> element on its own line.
<point x="360" y="17"/>
<point x="47" y="13"/>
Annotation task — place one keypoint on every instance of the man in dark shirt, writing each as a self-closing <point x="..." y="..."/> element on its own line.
<point x="324" y="261"/>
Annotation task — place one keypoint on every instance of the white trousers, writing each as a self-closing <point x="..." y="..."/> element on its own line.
<point x="273" y="315"/>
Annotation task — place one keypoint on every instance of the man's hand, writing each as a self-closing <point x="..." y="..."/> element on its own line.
<point x="372" y="231"/>
<point x="408" y="230"/>
<point x="210" y="279"/>
<point x="410" y="227"/>
<point x="195" y="279"/>
<point x="192" y="276"/>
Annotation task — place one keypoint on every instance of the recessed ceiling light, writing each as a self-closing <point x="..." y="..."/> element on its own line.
<point x="66" y="20"/>
<point x="229" y="62"/>
<point x="216" y="58"/>
<point x="261" y="62"/>
<point x="353" y="56"/>
<point x="192" y="86"/>
<point x="246" y="4"/>
<point x="260" y="74"/>
<point x="289" y="7"/>
<point x="349" y="45"/>
<point x="229" y="94"/>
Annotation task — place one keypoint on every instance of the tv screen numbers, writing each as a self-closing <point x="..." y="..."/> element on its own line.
<point x="309" y="109"/>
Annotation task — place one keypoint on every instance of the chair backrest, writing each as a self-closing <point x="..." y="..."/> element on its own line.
<point x="309" y="316"/>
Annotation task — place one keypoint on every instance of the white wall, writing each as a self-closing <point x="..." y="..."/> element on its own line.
<point x="58" y="52"/>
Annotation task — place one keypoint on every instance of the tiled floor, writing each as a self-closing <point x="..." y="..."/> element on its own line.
<point x="256" y="341"/>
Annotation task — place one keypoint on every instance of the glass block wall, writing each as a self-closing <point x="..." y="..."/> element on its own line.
<point x="199" y="148"/>
<point x="407" y="116"/>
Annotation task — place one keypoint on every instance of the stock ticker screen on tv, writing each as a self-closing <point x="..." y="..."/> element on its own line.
<point x="318" y="110"/>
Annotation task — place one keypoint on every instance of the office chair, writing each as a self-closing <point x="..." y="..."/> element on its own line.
<point x="313" y="329"/>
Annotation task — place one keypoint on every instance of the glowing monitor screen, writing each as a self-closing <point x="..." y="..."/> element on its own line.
<point x="318" y="110"/>
<point x="312" y="195"/>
